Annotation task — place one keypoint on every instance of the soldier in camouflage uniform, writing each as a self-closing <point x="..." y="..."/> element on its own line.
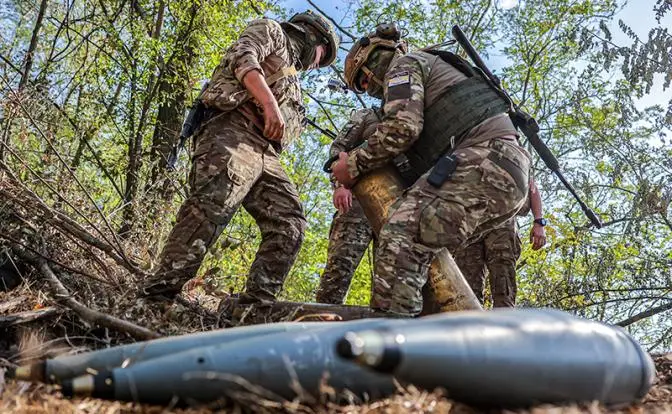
<point x="350" y="232"/>
<point x="497" y="251"/>
<point x="254" y="110"/>
<point x="487" y="188"/>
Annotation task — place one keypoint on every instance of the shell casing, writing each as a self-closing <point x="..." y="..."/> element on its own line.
<point x="377" y="192"/>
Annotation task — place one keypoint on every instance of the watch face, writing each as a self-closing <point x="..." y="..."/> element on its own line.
<point x="541" y="221"/>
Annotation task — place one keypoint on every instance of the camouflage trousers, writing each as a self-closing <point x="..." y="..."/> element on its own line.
<point x="497" y="251"/>
<point x="349" y="236"/>
<point x="233" y="165"/>
<point x="488" y="188"/>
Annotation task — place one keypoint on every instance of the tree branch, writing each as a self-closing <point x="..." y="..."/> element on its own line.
<point x="319" y="102"/>
<point x="33" y="45"/>
<point x="62" y="295"/>
<point x="645" y="314"/>
<point x="340" y="76"/>
<point x="338" y="26"/>
<point x="67" y="167"/>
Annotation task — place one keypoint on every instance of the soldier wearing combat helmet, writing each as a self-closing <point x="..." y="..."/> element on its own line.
<point x="253" y="112"/>
<point x="434" y="103"/>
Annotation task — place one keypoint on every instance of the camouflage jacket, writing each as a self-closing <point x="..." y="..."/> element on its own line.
<point x="362" y="124"/>
<point x="412" y="83"/>
<point x="263" y="46"/>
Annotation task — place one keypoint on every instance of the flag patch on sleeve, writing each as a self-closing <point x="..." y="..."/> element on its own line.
<point x="399" y="79"/>
<point x="399" y="86"/>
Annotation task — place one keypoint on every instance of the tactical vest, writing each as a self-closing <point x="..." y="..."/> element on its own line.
<point x="462" y="107"/>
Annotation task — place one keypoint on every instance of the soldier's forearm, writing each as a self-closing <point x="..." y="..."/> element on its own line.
<point x="256" y="85"/>
<point x="535" y="200"/>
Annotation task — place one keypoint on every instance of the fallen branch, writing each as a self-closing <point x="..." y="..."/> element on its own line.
<point x="17" y="243"/>
<point x="20" y="318"/>
<point x="259" y="313"/>
<point x="66" y="165"/>
<point x="62" y="295"/>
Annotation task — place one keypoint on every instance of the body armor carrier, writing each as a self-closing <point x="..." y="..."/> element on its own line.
<point x="444" y="124"/>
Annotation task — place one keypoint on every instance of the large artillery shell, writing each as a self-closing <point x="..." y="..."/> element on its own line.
<point x="510" y="358"/>
<point x="64" y="367"/>
<point x="269" y="367"/>
<point x="264" y="366"/>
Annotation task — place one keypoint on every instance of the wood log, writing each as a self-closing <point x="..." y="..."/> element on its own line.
<point x="234" y="314"/>
<point x="20" y="318"/>
<point x="8" y="304"/>
<point x="258" y="313"/>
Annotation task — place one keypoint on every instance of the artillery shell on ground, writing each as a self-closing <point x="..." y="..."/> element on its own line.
<point x="510" y="358"/>
<point x="57" y="369"/>
<point x="270" y="367"/>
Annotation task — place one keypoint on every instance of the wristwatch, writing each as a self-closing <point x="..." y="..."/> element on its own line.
<point x="541" y="221"/>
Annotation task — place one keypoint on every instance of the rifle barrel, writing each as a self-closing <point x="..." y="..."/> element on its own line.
<point x="473" y="54"/>
<point x="330" y="134"/>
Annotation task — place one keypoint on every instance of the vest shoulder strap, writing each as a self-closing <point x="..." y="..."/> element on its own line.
<point x="454" y="60"/>
<point x="281" y="74"/>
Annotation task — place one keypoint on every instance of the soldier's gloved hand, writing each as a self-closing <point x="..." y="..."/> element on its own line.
<point x="342" y="199"/>
<point x="537" y="236"/>
<point x="339" y="169"/>
<point x="274" y="123"/>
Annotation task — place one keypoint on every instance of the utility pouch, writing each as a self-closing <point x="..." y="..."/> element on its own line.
<point x="443" y="170"/>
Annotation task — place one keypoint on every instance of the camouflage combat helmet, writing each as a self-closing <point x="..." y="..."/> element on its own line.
<point x="385" y="37"/>
<point x="324" y="28"/>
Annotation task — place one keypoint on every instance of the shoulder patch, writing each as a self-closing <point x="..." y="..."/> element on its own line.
<point x="399" y="86"/>
<point x="399" y="79"/>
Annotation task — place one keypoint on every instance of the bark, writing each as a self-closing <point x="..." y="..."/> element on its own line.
<point x="172" y="79"/>
<point x="254" y="314"/>
<point x="21" y="318"/>
<point x="33" y="45"/>
<point x="168" y="126"/>
<point x="174" y="91"/>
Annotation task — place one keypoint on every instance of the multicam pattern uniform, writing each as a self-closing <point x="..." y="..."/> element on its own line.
<point x="497" y="251"/>
<point x="234" y="164"/>
<point x="350" y="233"/>
<point x="480" y="195"/>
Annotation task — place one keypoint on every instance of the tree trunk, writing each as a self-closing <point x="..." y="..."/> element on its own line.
<point x="28" y="61"/>
<point x="25" y="76"/>
<point x="174" y="88"/>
